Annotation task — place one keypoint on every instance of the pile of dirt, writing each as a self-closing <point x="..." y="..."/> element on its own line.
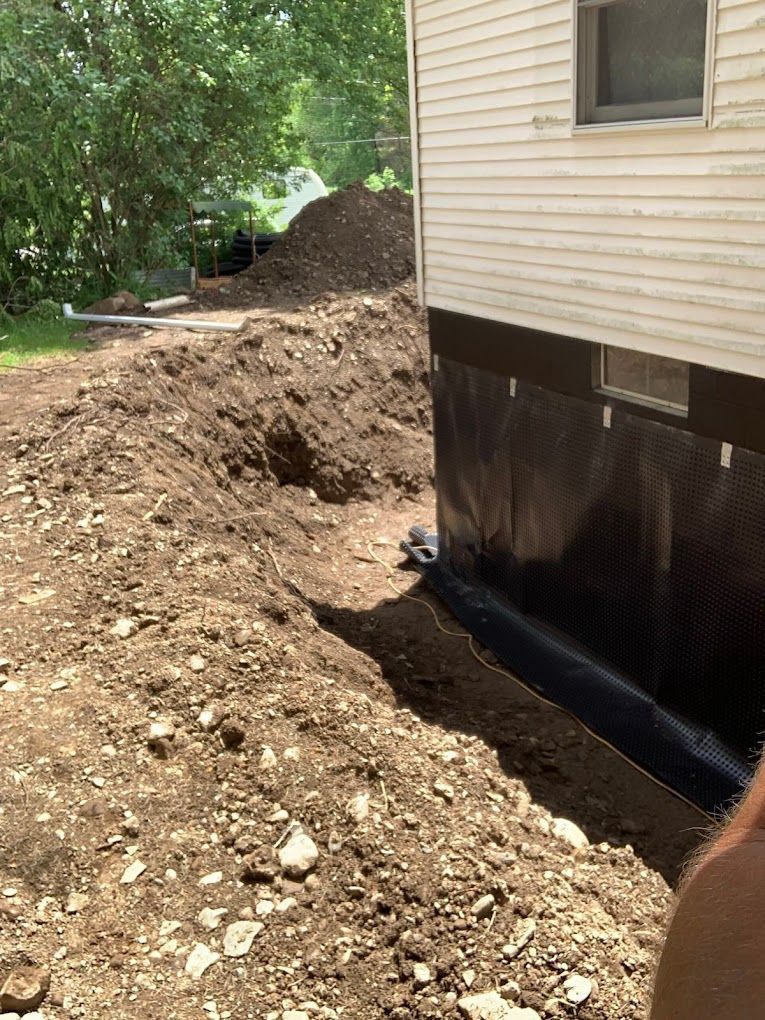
<point x="355" y="239"/>
<point x="201" y="659"/>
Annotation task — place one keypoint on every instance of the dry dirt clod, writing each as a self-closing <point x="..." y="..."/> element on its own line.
<point x="232" y="734"/>
<point x="24" y="989"/>
<point x="124" y="628"/>
<point x="444" y="790"/>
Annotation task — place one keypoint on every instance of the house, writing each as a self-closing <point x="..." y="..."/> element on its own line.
<point x="590" y="195"/>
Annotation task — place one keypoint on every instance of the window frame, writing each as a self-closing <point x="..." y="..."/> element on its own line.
<point x="587" y="117"/>
<point x="632" y="396"/>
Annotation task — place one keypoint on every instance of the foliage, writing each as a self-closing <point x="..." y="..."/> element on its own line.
<point x="386" y="179"/>
<point x="113" y="114"/>
<point x="356" y="89"/>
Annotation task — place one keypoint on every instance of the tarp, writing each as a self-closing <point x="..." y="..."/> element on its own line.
<point x="615" y="563"/>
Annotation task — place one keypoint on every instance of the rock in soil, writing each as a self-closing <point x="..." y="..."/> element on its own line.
<point x="24" y="989"/>
<point x="298" y="855"/>
<point x="491" y="1006"/>
<point x="239" y="937"/>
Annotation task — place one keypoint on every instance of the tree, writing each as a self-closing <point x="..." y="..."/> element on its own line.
<point x="355" y="85"/>
<point x="113" y="113"/>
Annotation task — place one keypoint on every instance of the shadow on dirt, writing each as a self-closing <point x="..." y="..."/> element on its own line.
<point x="563" y="767"/>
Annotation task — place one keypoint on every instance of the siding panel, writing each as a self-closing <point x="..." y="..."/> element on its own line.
<point x="652" y="238"/>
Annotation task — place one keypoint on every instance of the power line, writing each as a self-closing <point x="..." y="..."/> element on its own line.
<point x="360" y="141"/>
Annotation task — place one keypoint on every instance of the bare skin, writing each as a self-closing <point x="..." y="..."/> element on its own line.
<point x="713" y="963"/>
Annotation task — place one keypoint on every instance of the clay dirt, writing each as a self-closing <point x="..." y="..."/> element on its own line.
<point x="242" y="776"/>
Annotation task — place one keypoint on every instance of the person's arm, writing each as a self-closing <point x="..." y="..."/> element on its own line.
<point x="713" y="963"/>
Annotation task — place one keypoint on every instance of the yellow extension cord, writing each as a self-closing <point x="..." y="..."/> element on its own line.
<point x="390" y="571"/>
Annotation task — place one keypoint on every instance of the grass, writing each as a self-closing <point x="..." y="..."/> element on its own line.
<point x="27" y="338"/>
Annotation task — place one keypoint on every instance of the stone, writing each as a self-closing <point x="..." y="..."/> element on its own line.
<point x="286" y="904"/>
<point x="422" y="975"/>
<point x="12" y="686"/>
<point x="130" y="302"/>
<point x="510" y="990"/>
<point x="577" y="989"/>
<point x="491" y="1006"/>
<point x="5" y="665"/>
<point x="298" y="855"/>
<point x="268" y="759"/>
<point x="199" y="960"/>
<point x="24" y="989"/>
<point x="76" y="902"/>
<point x="525" y="934"/>
<point x="197" y="664"/>
<point x="107" y="306"/>
<point x="161" y="730"/>
<point x="232" y="734"/>
<point x="11" y="1016"/>
<point x="132" y="872"/>
<point x="59" y="685"/>
<point x="214" y="878"/>
<point x="444" y="790"/>
<point x="211" y="917"/>
<point x="124" y="629"/>
<point x="357" y="808"/>
<point x="295" y="1014"/>
<point x="239" y="937"/>
<point x="484" y="907"/>
<point x="569" y="833"/>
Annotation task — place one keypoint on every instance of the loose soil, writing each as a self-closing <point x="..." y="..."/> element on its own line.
<point x="218" y="497"/>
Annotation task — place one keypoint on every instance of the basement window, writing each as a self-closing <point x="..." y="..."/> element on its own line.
<point x="640" y="60"/>
<point x="647" y="378"/>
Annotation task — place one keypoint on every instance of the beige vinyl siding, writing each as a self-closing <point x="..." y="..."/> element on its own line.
<point x="650" y="237"/>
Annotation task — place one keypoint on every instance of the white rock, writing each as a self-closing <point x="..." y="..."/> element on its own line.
<point x="422" y="975"/>
<point x="12" y="687"/>
<point x="577" y="989"/>
<point x="264" y="908"/>
<point x="214" y="878"/>
<point x="565" y="830"/>
<point x="298" y="856"/>
<point x="268" y="759"/>
<point x="491" y="1006"/>
<point x="210" y="918"/>
<point x="239" y="937"/>
<point x="357" y="808"/>
<point x="132" y="872"/>
<point x="196" y="664"/>
<point x="295" y="1014"/>
<point x="11" y="1016"/>
<point x="168" y="928"/>
<point x="525" y="933"/>
<point x="59" y="685"/>
<point x="484" y="907"/>
<point x="286" y="904"/>
<point x="77" y="901"/>
<point x="199" y="959"/>
<point x="444" y="790"/>
<point x="161" y="729"/>
<point x="124" y="628"/>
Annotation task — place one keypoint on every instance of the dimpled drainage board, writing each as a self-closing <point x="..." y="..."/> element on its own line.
<point x="619" y="570"/>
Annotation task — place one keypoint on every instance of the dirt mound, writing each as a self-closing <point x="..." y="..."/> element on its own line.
<point x="333" y="396"/>
<point x="354" y="239"/>
<point x="201" y="654"/>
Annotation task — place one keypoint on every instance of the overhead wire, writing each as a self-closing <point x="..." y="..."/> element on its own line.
<point x="390" y="572"/>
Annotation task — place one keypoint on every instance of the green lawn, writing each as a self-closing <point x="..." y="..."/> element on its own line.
<point x="24" y="339"/>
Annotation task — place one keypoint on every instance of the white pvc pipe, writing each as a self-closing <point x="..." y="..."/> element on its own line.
<point x="144" y="320"/>
<point x="162" y="304"/>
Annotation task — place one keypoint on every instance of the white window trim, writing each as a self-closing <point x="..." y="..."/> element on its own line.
<point x="693" y="122"/>
<point x="637" y="398"/>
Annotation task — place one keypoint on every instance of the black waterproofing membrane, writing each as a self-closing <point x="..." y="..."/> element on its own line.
<point x="619" y="570"/>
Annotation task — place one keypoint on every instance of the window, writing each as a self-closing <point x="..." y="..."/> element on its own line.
<point x="645" y="377"/>
<point x="640" y="59"/>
